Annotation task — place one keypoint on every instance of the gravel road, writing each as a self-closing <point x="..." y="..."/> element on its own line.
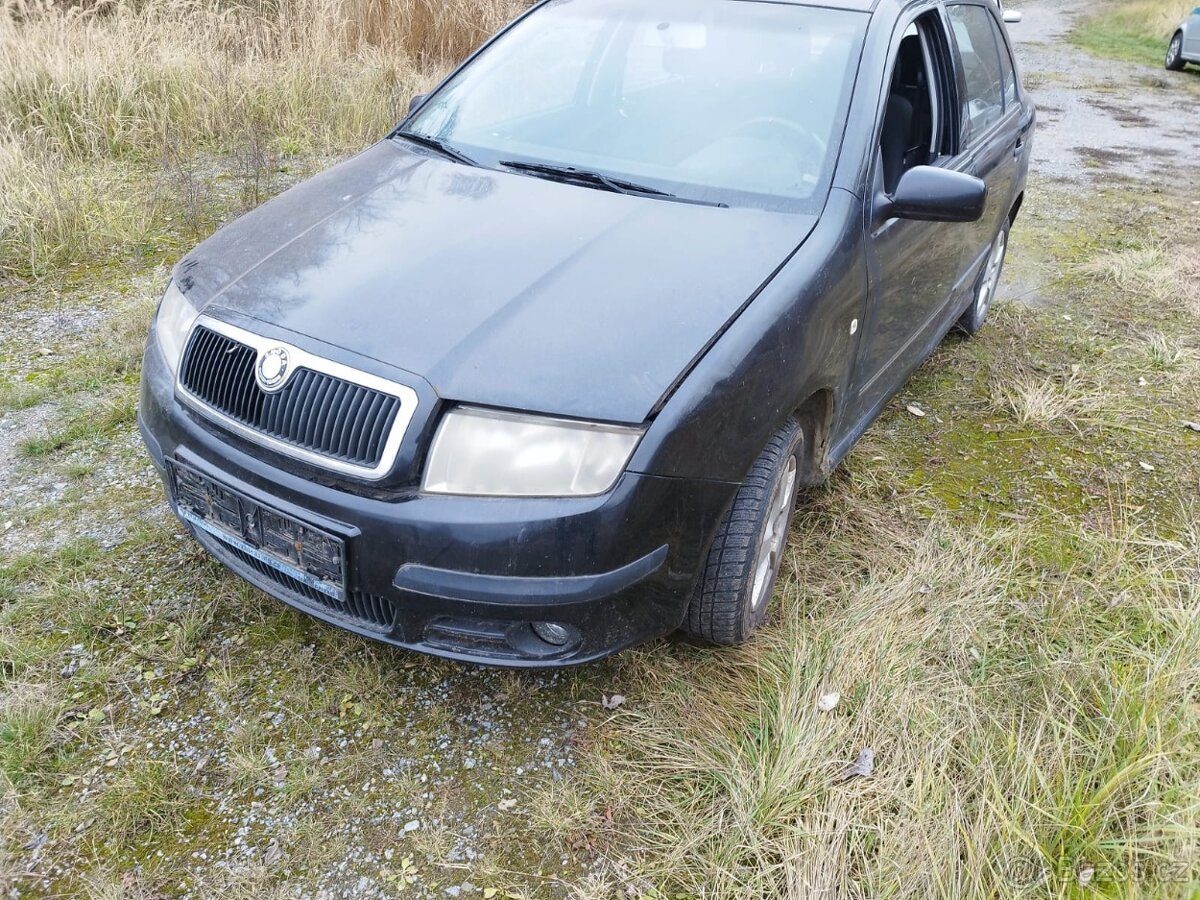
<point x="1101" y="118"/>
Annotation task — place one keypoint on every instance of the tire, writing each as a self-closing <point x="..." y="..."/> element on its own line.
<point x="985" y="286"/>
<point x="1175" y="61"/>
<point x="739" y="575"/>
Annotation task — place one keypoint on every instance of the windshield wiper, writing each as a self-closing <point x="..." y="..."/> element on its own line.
<point x="437" y="144"/>
<point x="600" y="180"/>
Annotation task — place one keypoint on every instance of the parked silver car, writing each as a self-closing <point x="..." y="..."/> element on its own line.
<point x="1185" y="43"/>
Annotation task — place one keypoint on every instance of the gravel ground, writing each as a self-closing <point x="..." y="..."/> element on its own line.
<point x="1101" y="118"/>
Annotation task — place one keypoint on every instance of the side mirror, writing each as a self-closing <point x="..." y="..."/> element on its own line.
<point x="930" y="194"/>
<point x="415" y="103"/>
<point x="1012" y="17"/>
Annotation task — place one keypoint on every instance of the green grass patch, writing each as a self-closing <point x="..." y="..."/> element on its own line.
<point x="1134" y="32"/>
<point x="90" y="424"/>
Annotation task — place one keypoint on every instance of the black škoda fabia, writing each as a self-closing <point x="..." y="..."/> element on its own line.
<point x="539" y="375"/>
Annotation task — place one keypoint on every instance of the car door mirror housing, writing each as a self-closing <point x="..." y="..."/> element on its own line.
<point x="930" y="194"/>
<point x="1012" y="17"/>
<point x="415" y="103"/>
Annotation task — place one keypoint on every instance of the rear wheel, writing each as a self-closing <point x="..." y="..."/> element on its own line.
<point x="1175" y="61"/>
<point x="989" y="279"/>
<point x="739" y="576"/>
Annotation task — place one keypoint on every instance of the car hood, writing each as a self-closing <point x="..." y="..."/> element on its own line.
<point x="496" y="288"/>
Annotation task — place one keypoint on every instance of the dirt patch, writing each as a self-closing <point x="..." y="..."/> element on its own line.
<point x="1105" y="157"/>
<point x="1124" y="114"/>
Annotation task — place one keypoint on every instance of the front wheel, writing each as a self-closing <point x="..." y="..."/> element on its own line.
<point x="1175" y="61"/>
<point x="989" y="279"/>
<point x="739" y="575"/>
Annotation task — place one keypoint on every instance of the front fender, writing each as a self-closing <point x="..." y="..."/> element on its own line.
<point x="796" y="338"/>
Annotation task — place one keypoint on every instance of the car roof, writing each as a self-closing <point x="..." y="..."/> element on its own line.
<point x="853" y="5"/>
<point x="856" y="5"/>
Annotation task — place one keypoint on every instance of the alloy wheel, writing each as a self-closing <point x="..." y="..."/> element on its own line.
<point x="991" y="277"/>
<point x="774" y="535"/>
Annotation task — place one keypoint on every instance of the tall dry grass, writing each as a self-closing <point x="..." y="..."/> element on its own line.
<point x="90" y="96"/>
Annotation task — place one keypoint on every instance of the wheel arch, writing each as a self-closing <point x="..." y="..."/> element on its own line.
<point x="1016" y="207"/>
<point x="815" y="415"/>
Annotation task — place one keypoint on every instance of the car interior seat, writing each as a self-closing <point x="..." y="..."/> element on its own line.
<point x="895" y="139"/>
<point x="908" y="117"/>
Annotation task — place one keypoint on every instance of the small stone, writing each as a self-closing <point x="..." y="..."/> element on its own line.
<point x="916" y="410"/>
<point x="411" y="826"/>
<point x="829" y="701"/>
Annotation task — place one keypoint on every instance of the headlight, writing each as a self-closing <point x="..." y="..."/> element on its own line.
<point x="485" y="452"/>
<point x="174" y="321"/>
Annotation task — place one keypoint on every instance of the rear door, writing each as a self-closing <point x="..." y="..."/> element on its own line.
<point x="992" y="139"/>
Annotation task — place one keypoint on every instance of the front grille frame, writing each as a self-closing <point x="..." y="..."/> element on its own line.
<point x="298" y="359"/>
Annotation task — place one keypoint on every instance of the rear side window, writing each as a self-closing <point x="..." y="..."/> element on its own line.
<point x="1007" y="69"/>
<point x="975" y="35"/>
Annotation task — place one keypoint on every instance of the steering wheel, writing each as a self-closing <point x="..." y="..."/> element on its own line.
<point x="781" y="124"/>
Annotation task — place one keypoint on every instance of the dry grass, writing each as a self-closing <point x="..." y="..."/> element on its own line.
<point x="98" y="104"/>
<point x="1156" y="272"/>
<point x="29" y="715"/>
<point x="1034" y="400"/>
<point x="1027" y="722"/>
<point x="1158" y="17"/>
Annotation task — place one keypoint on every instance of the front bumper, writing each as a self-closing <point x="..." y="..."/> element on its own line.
<point x="466" y="577"/>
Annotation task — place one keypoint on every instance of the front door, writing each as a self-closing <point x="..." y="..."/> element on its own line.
<point x="913" y="266"/>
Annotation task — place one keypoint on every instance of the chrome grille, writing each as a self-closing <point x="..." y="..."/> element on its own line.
<point x="341" y="419"/>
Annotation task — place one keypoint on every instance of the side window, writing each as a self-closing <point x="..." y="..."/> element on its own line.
<point x="915" y="125"/>
<point x="1007" y="69"/>
<point x="976" y="39"/>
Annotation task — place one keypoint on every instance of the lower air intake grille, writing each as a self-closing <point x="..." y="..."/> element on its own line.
<point x="370" y="610"/>
<point x="314" y="411"/>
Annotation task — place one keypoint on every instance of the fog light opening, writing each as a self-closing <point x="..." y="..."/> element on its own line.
<point x="552" y="633"/>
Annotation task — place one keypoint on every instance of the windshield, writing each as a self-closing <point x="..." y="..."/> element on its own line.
<point x="741" y="103"/>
